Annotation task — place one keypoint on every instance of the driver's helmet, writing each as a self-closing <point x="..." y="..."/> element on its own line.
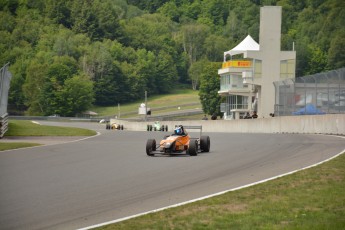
<point x="178" y="131"/>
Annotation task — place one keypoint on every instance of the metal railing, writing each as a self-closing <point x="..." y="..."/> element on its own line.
<point x="322" y="93"/>
<point x="5" y="79"/>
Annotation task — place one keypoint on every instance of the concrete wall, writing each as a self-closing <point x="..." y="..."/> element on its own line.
<point x="313" y="124"/>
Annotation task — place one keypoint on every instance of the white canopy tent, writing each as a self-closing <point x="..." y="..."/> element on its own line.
<point x="247" y="44"/>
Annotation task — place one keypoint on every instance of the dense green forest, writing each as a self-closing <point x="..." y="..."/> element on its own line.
<point x="66" y="55"/>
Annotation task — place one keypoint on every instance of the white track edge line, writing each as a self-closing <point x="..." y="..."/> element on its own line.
<point x="212" y="195"/>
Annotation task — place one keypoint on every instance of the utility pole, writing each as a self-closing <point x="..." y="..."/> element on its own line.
<point x="118" y="110"/>
<point x="145" y="105"/>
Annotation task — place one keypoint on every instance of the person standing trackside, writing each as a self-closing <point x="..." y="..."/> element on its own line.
<point x="247" y="116"/>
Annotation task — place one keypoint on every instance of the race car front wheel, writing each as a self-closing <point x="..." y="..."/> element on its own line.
<point x="205" y="143"/>
<point x="150" y="147"/>
<point x="193" y="148"/>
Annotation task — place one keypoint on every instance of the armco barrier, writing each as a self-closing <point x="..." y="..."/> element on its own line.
<point x="5" y="78"/>
<point x="3" y="124"/>
<point x="309" y="124"/>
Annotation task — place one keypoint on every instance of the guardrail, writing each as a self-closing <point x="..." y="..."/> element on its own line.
<point x="5" y="79"/>
<point x="306" y="124"/>
<point x="3" y="124"/>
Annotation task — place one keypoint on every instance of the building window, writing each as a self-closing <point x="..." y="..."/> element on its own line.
<point x="238" y="102"/>
<point x="287" y="69"/>
<point x="225" y="82"/>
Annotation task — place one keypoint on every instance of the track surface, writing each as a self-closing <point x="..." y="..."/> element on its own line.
<point x="78" y="184"/>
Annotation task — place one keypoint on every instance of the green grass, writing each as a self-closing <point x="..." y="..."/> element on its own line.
<point x="16" y="145"/>
<point x="310" y="199"/>
<point x="28" y="128"/>
<point x="176" y="98"/>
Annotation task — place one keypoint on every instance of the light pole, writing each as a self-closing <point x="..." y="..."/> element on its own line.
<point x="118" y="110"/>
<point x="145" y="105"/>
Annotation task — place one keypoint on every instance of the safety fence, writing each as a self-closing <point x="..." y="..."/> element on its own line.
<point x="5" y="79"/>
<point x="322" y="93"/>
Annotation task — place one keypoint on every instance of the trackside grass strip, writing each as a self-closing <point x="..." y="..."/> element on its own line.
<point x="14" y="145"/>
<point x="176" y="98"/>
<point x="28" y="128"/>
<point x="310" y="199"/>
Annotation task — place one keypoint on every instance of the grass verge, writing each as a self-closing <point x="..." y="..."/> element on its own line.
<point x="176" y="98"/>
<point x="16" y="145"/>
<point x="309" y="199"/>
<point x="28" y="128"/>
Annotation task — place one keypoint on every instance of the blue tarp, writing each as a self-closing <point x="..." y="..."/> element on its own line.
<point x="309" y="109"/>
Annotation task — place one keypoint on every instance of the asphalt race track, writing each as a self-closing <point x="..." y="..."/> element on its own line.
<point x="109" y="176"/>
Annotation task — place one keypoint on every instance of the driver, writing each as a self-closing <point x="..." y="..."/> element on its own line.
<point x="179" y="131"/>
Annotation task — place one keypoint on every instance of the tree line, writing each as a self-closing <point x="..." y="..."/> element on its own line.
<point x="67" y="55"/>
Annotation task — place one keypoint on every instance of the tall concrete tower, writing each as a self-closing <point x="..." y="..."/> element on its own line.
<point x="272" y="57"/>
<point x="270" y="36"/>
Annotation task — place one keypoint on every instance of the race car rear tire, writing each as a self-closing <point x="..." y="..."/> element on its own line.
<point x="166" y="128"/>
<point x="150" y="147"/>
<point x="205" y="143"/>
<point x="193" y="148"/>
<point x="121" y="127"/>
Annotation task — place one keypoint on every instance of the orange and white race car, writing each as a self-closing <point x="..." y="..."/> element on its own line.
<point x="179" y="142"/>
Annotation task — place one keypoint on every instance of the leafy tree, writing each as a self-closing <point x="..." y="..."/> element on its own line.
<point x="28" y="25"/>
<point x="111" y="88"/>
<point x="59" y="11"/>
<point x="166" y="72"/>
<point x="106" y="20"/>
<point x="76" y="96"/>
<point x="195" y="72"/>
<point x="214" y="47"/>
<point x="7" y="17"/>
<point x="62" y="69"/>
<point x="193" y="38"/>
<point x="209" y="86"/>
<point x="67" y="43"/>
<point x="170" y="10"/>
<point x="150" y="32"/>
<point x="336" y="52"/>
<point x="148" y="5"/>
<point x="34" y="83"/>
<point x="317" y="62"/>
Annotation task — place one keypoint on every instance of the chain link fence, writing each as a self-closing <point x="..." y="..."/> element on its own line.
<point x="5" y="79"/>
<point x="322" y="93"/>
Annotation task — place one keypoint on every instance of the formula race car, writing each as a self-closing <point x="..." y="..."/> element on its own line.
<point x="157" y="127"/>
<point x="179" y="142"/>
<point x="113" y="126"/>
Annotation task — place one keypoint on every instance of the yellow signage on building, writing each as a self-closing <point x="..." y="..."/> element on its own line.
<point x="237" y="64"/>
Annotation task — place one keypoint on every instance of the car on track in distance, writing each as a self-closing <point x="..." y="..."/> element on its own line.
<point x="113" y="126"/>
<point x="179" y="142"/>
<point x="157" y="127"/>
